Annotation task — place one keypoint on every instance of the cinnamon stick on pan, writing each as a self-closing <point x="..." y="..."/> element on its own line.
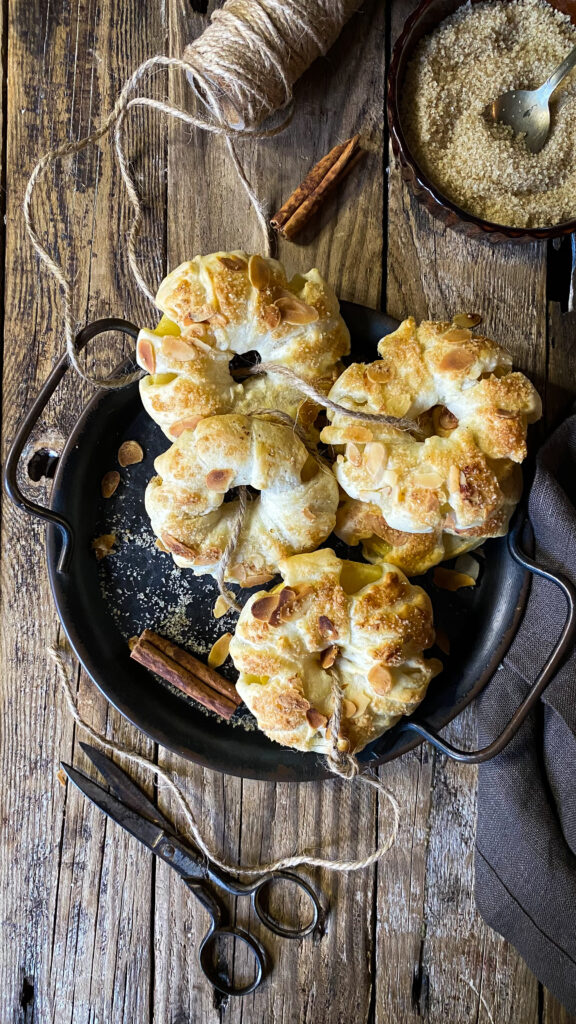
<point x="165" y="659"/>
<point x="301" y="206"/>
<point x="203" y="672"/>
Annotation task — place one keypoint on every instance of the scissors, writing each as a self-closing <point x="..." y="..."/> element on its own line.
<point x="129" y="807"/>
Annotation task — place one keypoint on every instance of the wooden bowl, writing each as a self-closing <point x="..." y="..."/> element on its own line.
<point x="423" y="21"/>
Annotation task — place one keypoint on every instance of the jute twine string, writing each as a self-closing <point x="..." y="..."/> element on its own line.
<point x="341" y="764"/>
<point x="308" y="389"/>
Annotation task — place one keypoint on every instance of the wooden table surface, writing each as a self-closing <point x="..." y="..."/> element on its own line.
<point x="93" y="930"/>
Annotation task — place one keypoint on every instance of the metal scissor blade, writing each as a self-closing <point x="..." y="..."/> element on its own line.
<point x="146" y="831"/>
<point x="124" y="788"/>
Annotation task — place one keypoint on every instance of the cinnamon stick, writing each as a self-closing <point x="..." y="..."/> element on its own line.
<point x="203" y="672"/>
<point x="157" y="661"/>
<point x="301" y="206"/>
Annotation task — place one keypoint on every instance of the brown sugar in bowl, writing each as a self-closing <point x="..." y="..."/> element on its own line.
<point x="420" y="23"/>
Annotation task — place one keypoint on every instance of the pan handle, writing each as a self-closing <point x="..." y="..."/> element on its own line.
<point x="557" y="656"/>
<point x="10" y="474"/>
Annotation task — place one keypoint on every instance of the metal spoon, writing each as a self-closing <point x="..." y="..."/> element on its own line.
<point x="527" y="110"/>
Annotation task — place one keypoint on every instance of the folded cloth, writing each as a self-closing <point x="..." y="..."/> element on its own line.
<point x="526" y="835"/>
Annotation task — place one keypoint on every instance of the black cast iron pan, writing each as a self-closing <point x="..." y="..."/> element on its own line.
<point x="102" y="604"/>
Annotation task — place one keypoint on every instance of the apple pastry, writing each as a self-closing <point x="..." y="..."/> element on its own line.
<point x="416" y="498"/>
<point x="226" y="305"/>
<point x="193" y="506"/>
<point x="365" y="624"/>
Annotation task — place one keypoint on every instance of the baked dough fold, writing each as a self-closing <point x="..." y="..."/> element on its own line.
<point x="369" y="620"/>
<point x="294" y="509"/>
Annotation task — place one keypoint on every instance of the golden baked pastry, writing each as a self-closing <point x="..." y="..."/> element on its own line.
<point x="417" y="499"/>
<point x="294" y="511"/>
<point x="365" y="623"/>
<point x="232" y="303"/>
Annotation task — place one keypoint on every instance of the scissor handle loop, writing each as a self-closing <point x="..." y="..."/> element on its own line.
<point x="262" y="889"/>
<point x="214" y="974"/>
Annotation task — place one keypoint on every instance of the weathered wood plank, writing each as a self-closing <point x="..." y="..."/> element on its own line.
<point x="76" y="895"/>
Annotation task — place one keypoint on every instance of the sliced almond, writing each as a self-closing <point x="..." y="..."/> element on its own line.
<point x="456" y="334"/>
<point x="264" y="608"/>
<point x="199" y="315"/>
<point x="353" y="454"/>
<point x="232" y="262"/>
<point x="103" y="545"/>
<point x="505" y="414"/>
<point x="327" y="627"/>
<point x="357" y="433"/>
<point x="271" y="316"/>
<point x="349" y="708"/>
<point x="257" y="579"/>
<point x="178" y="349"/>
<point x="129" y="453"/>
<point x="449" y="579"/>
<point x="145" y="355"/>
<point x="109" y="483"/>
<point x="219" y="480"/>
<point x="376" y="460"/>
<point x="259" y="272"/>
<point x="454" y="479"/>
<point x="316" y="720"/>
<point x="458" y="359"/>
<point x="467" y="319"/>
<point x="362" y="702"/>
<point x="309" y="515"/>
<point x="181" y="425"/>
<point x="379" y="373"/>
<point x="380" y="679"/>
<point x="328" y="657"/>
<point x="220" y="650"/>
<point x="161" y="546"/>
<point x="176" y="547"/>
<point x="294" y="311"/>
<point x="286" y="599"/>
<point x="221" y="606"/>
<point x="427" y="480"/>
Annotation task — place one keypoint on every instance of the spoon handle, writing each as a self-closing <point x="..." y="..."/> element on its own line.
<point x="561" y="71"/>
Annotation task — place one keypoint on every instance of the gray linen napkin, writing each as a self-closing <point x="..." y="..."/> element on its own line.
<point x="526" y="836"/>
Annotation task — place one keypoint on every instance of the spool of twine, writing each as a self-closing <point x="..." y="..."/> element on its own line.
<point x="246" y="62"/>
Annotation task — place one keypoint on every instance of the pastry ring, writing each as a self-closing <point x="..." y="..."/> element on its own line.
<point x="227" y="304"/>
<point x="366" y="624"/>
<point x="458" y="483"/>
<point x="295" y="509"/>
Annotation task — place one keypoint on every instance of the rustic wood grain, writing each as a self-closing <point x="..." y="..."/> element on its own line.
<point x="93" y="930"/>
<point x="76" y="892"/>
